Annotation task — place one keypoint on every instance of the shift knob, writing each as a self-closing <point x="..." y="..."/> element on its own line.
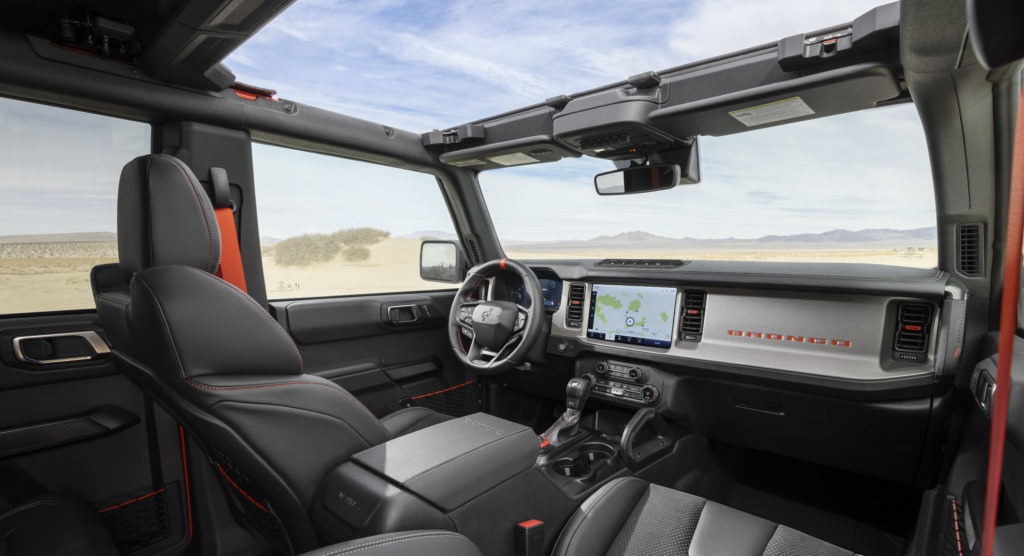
<point x="576" y="393"/>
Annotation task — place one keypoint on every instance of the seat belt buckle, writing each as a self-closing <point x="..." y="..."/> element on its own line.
<point x="529" y="538"/>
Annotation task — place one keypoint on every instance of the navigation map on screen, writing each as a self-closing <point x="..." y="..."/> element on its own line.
<point x="638" y="315"/>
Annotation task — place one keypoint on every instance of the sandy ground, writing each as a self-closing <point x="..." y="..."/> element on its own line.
<point x="393" y="267"/>
<point x="34" y="281"/>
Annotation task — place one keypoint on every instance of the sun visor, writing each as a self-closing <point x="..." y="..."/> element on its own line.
<point x="515" y="152"/>
<point x="511" y="140"/>
<point x="813" y="96"/>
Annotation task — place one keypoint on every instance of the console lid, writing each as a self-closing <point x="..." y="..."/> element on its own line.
<point x="454" y="462"/>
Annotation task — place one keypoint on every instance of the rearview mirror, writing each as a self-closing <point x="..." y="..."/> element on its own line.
<point x="441" y="261"/>
<point x="638" y="179"/>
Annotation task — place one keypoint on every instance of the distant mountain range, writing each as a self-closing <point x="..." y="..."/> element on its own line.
<point x="81" y="237"/>
<point x="875" y="236"/>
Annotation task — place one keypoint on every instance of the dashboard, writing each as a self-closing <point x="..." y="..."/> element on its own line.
<point x="844" y="365"/>
<point x="842" y="326"/>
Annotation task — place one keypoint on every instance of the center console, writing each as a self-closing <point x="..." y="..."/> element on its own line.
<point x="480" y="474"/>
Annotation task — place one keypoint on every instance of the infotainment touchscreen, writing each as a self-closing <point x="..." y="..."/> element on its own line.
<point x="638" y="315"/>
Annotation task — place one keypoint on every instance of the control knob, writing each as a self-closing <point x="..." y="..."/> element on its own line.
<point x="649" y="394"/>
<point x="601" y="368"/>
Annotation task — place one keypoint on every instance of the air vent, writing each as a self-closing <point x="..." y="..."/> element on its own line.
<point x="642" y="263"/>
<point x="574" y="312"/>
<point x="911" y="342"/>
<point x="691" y="325"/>
<point x="970" y="239"/>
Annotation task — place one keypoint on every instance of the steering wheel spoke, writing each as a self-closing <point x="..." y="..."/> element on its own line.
<point x="522" y="319"/>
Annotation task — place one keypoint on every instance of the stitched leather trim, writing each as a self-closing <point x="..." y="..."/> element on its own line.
<point x="231" y="287"/>
<point x="202" y="209"/>
<point x="387" y="541"/>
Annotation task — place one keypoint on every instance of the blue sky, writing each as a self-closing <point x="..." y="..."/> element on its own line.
<point x="421" y="65"/>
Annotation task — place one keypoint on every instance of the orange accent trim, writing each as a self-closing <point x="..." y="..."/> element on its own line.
<point x="188" y="486"/>
<point x="1007" y="333"/>
<point x="956" y="530"/>
<point x="230" y="269"/>
<point x="467" y="383"/>
<point x="956" y="353"/>
<point x="244" y="95"/>
<point x="132" y="501"/>
<point x="913" y="327"/>
<point x="241" y="490"/>
<point x="501" y="263"/>
<point x="544" y="442"/>
<point x="530" y="523"/>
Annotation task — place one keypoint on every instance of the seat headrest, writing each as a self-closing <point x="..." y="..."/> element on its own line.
<point x="164" y="217"/>
<point x="185" y="323"/>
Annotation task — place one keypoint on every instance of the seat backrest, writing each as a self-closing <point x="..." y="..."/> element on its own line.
<point x="220" y="362"/>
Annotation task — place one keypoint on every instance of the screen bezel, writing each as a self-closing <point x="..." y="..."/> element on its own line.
<point x="629" y="340"/>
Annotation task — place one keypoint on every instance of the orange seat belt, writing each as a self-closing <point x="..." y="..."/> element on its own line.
<point x="230" y="269"/>
<point x="1007" y="333"/>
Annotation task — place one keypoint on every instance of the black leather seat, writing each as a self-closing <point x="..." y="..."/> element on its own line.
<point x="421" y="543"/>
<point x="55" y="526"/>
<point x="221" y="363"/>
<point x="630" y="516"/>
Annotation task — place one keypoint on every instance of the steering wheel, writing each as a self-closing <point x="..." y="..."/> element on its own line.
<point x="500" y="330"/>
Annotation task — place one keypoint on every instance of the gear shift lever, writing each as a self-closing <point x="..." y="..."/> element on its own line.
<point x="576" y="393"/>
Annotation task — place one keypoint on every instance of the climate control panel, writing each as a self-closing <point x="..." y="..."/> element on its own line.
<point x="623" y="382"/>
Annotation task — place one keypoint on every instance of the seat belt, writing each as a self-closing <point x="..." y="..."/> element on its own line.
<point x="230" y="269"/>
<point x="1007" y="333"/>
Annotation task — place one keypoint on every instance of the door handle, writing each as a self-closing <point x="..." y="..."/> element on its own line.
<point x="404" y="315"/>
<point x="55" y="349"/>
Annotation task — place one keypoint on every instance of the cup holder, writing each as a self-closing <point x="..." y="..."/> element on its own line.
<point x="588" y="459"/>
<point x="571" y="467"/>
<point x="595" y="451"/>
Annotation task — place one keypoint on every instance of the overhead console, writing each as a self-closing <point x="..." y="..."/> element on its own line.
<point x="659" y="115"/>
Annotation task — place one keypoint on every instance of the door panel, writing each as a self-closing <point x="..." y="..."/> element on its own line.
<point x="382" y="348"/>
<point x="82" y="428"/>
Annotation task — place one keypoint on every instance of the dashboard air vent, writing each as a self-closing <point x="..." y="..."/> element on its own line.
<point x="969" y="249"/>
<point x="911" y="342"/>
<point x="574" y="311"/>
<point x="641" y="263"/>
<point x="691" y="325"/>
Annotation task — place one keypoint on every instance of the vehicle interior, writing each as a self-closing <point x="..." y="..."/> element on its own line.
<point x="191" y="364"/>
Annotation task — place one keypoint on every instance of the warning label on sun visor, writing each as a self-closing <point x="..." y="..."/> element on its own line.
<point x="777" y="111"/>
<point x="513" y="159"/>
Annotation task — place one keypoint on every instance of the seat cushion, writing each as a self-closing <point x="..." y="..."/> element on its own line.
<point x="55" y="526"/>
<point x="412" y="419"/>
<point x="420" y="543"/>
<point x="630" y="516"/>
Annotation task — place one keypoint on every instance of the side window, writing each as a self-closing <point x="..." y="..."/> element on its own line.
<point x="333" y="226"/>
<point x="59" y="170"/>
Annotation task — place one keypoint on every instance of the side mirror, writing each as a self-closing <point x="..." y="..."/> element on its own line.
<point x="638" y="179"/>
<point x="441" y="261"/>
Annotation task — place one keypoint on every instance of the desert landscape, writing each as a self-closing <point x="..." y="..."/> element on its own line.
<point x="51" y="272"/>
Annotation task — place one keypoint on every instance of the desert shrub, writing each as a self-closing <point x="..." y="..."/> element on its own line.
<point x="355" y="254"/>
<point x="305" y="250"/>
<point x="360" y="236"/>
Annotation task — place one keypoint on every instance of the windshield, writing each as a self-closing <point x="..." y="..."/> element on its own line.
<point x="852" y="188"/>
